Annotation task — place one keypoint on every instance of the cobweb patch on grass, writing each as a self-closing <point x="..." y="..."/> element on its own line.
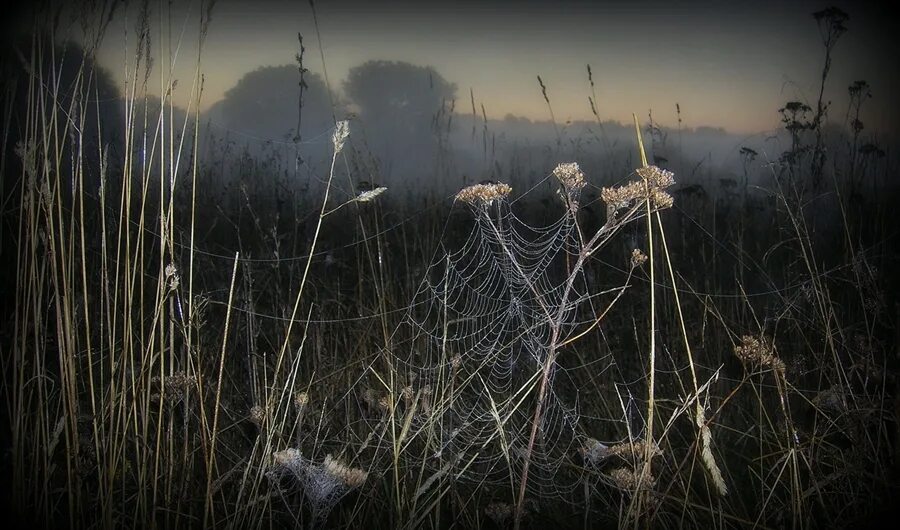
<point x="323" y="484"/>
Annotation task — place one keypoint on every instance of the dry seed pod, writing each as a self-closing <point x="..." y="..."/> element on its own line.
<point x="341" y="132"/>
<point x="483" y="194"/>
<point x="758" y="351"/>
<point x="570" y="176"/>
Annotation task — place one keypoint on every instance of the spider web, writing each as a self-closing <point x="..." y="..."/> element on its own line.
<point x="481" y="338"/>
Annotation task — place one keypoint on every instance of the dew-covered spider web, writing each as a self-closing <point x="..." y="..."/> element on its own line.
<point x="483" y="340"/>
<point x="475" y="389"/>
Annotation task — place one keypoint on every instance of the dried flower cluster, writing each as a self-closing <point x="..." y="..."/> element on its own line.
<point x="287" y="457"/>
<point x="656" y="176"/>
<point x="638" y="258"/>
<point x="594" y="451"/>
<point x="660" y="200"/>
<point x="651" y="186"/>
<point x="352" y="477"/>
<point x="635" y="452"/>
<point x="628" y="479"/>
<point x="758" y="351"/>
<point x="636" y="449"/>
<point x="570" y="176"/>
<point x="408" y="394"/>
<point x="483" y="194"/>
<point x="172" y="276"/>
<point x="324" y="484"/>
<point x="376" y="402"/>
<point x="291" y="459"/>
<point x="258" y="415"/>
<point x="176" y="387"/>
<point x="301" y="399"/>
<point x="621" y="197"/>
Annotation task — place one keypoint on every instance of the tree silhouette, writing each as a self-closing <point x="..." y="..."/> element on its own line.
<point x="65" y="77"/>
<point x="263" y="106"/>
<point x="397" y="103"/>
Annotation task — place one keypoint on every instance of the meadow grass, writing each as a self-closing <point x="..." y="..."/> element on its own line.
<point x="175" y="356"/>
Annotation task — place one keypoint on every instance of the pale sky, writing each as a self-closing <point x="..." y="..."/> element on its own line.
<point x="727" y="64"/>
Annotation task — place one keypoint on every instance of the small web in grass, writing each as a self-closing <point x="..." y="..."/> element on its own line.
<point x="323" y="484"/>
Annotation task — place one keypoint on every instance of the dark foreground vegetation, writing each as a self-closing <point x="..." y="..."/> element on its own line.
<point x="197" y="334"/>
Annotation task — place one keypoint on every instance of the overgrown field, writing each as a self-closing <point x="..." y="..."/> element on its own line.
<point x="195" y="336"/>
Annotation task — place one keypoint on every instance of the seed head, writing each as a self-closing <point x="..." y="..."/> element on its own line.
<point x="633" y="450"/>
<point x="651" y="186"/>
<point x="758" y="351"/>
<point x="172" y="276"/>
<point x="176" y="387"/>
<point x="626" y="478"/>
<point x="638" y="258"/>
<point x="570" y="176"/>
<point x="351" y="476"/>
<point x="483" y="194"/>
<point x="258" y="415"/>
<point x="301" y="399"/>
<point x="341" y="132"/>
<point x="657" y="177"/>
<point x="287" y="457"/>
<point x="368" y="195"/>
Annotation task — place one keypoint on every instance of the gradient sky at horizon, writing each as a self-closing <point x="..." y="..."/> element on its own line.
<point x="726" y="64"/>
